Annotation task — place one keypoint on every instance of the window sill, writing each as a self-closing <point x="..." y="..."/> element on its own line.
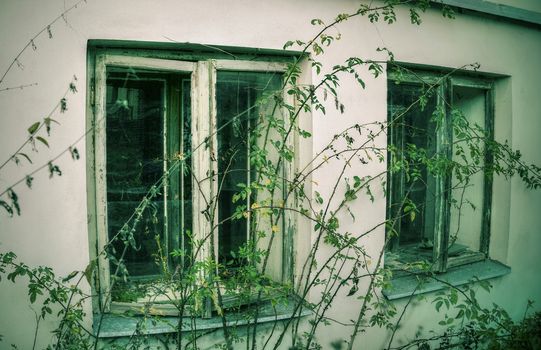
<point x="114" y="325"/>
<point x="406" y="286"/>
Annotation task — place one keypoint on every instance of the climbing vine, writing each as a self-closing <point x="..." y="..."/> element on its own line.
<point x="240" y="298"/>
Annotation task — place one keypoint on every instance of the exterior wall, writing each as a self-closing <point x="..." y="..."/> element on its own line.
<point x="53" y="230"/>
<point x="524" y="4"/>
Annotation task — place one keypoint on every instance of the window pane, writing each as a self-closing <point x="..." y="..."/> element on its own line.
<point x="238" y="112"/>
<point x="185" y="172"/>
<point x="179" y="181"/>
<point x="135" y="153"/>
<point x="412" y="126"/>
<point x="467" y="208"/>
<point x="147" y="115"/>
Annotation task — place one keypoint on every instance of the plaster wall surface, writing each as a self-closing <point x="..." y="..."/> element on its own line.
<point x="52" y="229"/>
<point x="529" y="5"/>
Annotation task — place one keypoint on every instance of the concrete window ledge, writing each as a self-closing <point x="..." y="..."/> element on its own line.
<point x="114" y="325"/>
<point x="406" y="286"/>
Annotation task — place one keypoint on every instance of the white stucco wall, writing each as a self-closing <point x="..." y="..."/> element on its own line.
<point x="52" y="229"/>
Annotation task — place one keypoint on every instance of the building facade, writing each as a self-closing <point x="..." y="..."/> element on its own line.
<point x="200" y="65"/>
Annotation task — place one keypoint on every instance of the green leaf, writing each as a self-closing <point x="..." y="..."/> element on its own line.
<point x="32" y="296"/>
<point x="288" y="44"/>
<point x="350" y="195"/>
<point x="6" y="207"/>
<point x="63" y="105"/>
<point x="438" y="305"/>
<point x="90" y="270"/>
<point x="54" y="169"/>
<point x="70" y="276"/>
<point x="356" y="181"/>
<point x="24" y="155"/>
<point x="14" y="201"/>
<point x="342" y="17"/>
<point x="72" y="87"/>
<point x="361" y="82"/>
<point x="485" y="285"/>
<point x="453" y="297"/>
<point x="305" y="134"/>
<point x="319" y="199"/>
<point x="74" y="153"/>
<point x="47" y="121"/>
<point x="33" y="128"/>
<point x="42" y="140"/>
<point x="29" y="180"/>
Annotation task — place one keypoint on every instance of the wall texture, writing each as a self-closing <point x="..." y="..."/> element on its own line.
<point x="52" y="229"/>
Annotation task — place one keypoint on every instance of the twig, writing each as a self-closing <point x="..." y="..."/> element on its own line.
<point x="31" y="42"/>
<point x="20" y="87"/>
<point x="42" y="123"/>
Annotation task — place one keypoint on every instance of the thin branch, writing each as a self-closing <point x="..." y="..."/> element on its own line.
<point x="31" y="42"/>
<point x="30" y="138"/>
<point x="20" y="87"/>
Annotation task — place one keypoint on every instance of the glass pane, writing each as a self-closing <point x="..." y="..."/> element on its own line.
<point x="413" y="127"/>
<point x="135" y="152"/>
<point x="142" y="141"/>
<point x="238" y="112"/>
<point x="185" y="169"/>
<point x="467" y="206"/>
<point x="179" y="200"/>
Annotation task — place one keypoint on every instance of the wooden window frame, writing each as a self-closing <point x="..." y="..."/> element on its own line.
<point x="443" y="83"/>
<point x="203" y="110"/>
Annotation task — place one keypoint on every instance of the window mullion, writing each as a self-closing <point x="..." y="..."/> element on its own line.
<point x="396" y="186"/>
<point x="166" y="180"/>
<point x="213" y="149"/>
<point x="489" y="158"/>
<point x="400" y="179"/>
<point x="248" y="168"/>
<point x="201" y="160"/>
<point x="443" y="182"/>
<point x="173" y="139"/>
<point x="289" y="225"/>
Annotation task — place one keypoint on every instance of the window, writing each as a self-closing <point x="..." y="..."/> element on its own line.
<point x="174" y="143"/>
<point x="439" y="211"/>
